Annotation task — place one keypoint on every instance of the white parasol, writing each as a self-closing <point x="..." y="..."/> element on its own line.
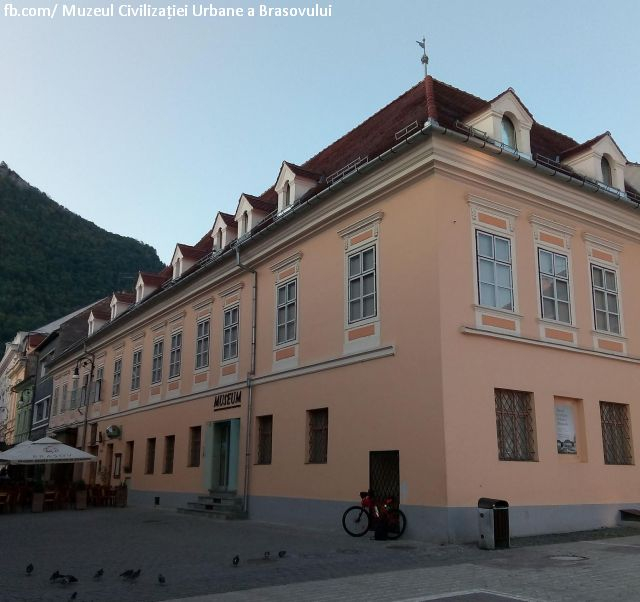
<point x="45" y="451"/>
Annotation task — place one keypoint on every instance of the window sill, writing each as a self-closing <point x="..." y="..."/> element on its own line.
<point x="557" y="324"/>
<point x="498" y="310"/>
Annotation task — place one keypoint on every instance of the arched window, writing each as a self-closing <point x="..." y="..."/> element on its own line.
<point x="219" y="239"/>
<point x="606" y="171"/>
<point x="508" y="132"/>
<point x="287" y="194"/>
<point x="245" y="222"/>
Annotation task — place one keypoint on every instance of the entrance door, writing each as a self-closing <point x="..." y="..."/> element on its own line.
<point x="221" y="455"/>
<point x="384" y="474"/>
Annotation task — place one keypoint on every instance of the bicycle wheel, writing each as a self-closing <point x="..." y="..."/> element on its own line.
<point x="396" y="523"/>
<point x="355" y="521"/>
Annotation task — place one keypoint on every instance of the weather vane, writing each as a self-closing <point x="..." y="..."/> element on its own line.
<point x="425" y="59"/>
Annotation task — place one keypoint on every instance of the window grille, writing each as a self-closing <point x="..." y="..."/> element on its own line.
<point x="514" y="423"/>
<point x="265" y="429"/>
<point x="151" y="456"/>
<point x="169" y="447"/>
<point x="195" y="435"/>
<point x="202" y="344"/>
<point x="616" y="433"/>
<point x="318" y="435"/>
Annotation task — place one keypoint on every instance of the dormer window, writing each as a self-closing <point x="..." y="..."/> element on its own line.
<point x="244" y="225"/>
<point x="139" y="290"/>
<point x="287" y="194"/>
<point x="177" y="268"/>
<point x="91" y="325"/>
<point x="219" y="239"/>
<point x="508" y="132"/>
<point x="606" y="171"/>
<point x="114" y="310"/>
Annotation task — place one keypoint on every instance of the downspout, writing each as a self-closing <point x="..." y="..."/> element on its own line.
<point x="250" y="375"/>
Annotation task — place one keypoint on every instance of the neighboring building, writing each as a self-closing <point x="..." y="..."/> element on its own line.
<point x="18" y="367"/>
<point x="436" y="306"/>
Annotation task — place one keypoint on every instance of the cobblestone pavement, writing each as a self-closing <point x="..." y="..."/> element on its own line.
<point x="195" y="555"/>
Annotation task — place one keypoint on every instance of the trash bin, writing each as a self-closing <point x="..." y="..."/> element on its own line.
<point x="493" y="523"/>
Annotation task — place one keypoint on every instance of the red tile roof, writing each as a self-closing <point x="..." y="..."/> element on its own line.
<point x="193" y="253"/>
<point x="262" y="204"/>
<point x="299" y="171"/>
<point x="101" y="314"/>
<point x="153" y="279"/>
<point x="228" y="218"/>
<point x="125" y="297"/>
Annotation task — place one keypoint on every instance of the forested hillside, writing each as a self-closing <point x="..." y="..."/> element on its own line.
<point x="52" y="261"/>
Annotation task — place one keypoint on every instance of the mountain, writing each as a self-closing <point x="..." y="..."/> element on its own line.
<point x="52" y="261"/>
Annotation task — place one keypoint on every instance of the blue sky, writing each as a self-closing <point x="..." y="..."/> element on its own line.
<point x="148" y="127"/>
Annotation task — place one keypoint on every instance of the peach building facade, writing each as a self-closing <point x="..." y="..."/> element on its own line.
<point x="429" y="307"/>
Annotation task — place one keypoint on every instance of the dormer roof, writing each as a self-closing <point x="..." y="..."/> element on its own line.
<point x="124" y="297"/>
<point x="578" y="148"/>
<point x="265" y="205"/>
<point x="152" y="279"/>
<point x="100" y="313"/>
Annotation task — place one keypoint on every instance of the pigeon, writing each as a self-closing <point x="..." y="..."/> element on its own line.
<point x="127" y="574"/>
<point x="282" y="553"/>
<point x="267" y="555"/>
<point x="55" y="576"/>
<point x="73" y="596"/>
<point x="136" y="574"/>
<point x="70" y="579"/>
<point x="236" y="560"/>
<point x="98" y="574"/>
<point x="161" y="579"/>
<point x="29" y="569"/>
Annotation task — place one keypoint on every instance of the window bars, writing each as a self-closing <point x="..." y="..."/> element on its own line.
<point x="318" y="435"/>
<point x="514" y="423"/>
<point x="616" y="433"/>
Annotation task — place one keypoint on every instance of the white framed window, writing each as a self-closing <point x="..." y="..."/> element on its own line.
<point x="495" y="281"/>
<point x="136" y="364"/>
<point x="202" y="344"/>
<point x="230" y="333"/>
<point x="117" y="374"/>
<point x="156" y="361"/>
<point x="65" y="395"/>
<point x="362" y="285"/>
<point x="553" y="276"/>
<point x="286" y="312"/>
<point x="606" y="307"/>
<point x="175" y="355"/>
<point x="41" y="410"/>
<point x="286" y="194"/>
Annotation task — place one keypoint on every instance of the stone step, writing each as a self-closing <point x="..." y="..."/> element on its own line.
<point x="216" y="500"/>
<point x="215" y="514"/>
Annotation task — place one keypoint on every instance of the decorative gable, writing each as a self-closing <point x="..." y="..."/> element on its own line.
<point x="592" y="158"/>
<point x="224" y="230"/>
<point x="250" y="212"/>
<point x="96" y="321"/>
<point x="292" y="184"/>
<point x="120" y="302"/>
<point x="147" y="284"/>
<point x="184" y="258"/>
<point x="507" y="106"/>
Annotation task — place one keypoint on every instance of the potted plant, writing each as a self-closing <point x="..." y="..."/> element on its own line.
<point x="80" y="494"/>
<point x="37" y="499"/>
<point x="121" y="495"/>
